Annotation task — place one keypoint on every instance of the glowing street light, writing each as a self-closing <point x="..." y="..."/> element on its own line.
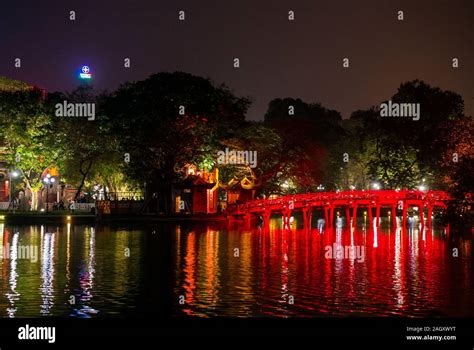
<point x="13" y="175"/>
<point x="376" y="186"/>
<point x="422" y="186"/>
<point x="49" y="182"/>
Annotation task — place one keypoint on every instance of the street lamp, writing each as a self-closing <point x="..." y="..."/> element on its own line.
<point x="376" y="186"/>
<point x="423" y="186"/>
<point x="48" y="181"/>
<point x="13" y="175"/>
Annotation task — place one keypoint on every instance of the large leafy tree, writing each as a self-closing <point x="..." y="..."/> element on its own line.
<point x="437" y="107"/>
<point x="456" y="138"/>
<point x="396" y="166"/>
<point x="168" y="120"/>
<point x="25" y="132"/>
<point x="308" y="132"/>
<point x="347" y="165"/>
<point x="457" y="158"/>
<point x="404" y="150"/>
<point x="87" y="149"/>
<point x="255" y="137"/>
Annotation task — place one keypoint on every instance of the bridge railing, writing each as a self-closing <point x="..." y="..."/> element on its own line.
<point x="328" y="197"/>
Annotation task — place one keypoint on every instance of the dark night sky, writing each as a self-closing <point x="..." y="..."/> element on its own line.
<point x="278" y="58"/>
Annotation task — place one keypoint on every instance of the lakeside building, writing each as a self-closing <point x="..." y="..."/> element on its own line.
<point x="203" y="192"/>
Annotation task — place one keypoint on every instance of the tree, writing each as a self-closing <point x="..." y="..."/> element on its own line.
<point x="405" y="151"/>
<point x="168" y="120"/>
<point x="436" y="107"/>
<point x="25" y="129"/>
<point x="457" y="140"/>
<point x="86" y="148"/>
<point x="308" y="132"/>
<point x="255" y="137"/>
<point x="347" y="165"/>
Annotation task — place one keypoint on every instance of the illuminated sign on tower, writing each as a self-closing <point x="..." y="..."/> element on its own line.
<point x="85" y="73"/>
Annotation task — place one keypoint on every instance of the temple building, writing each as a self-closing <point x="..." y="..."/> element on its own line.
<point x="4" y="183"/>
<point x="197" y="192"/>
<point x="202" y="192"/>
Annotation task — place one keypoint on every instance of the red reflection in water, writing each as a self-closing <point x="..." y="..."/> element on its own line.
<point x="190" y="262"/>
<point x="410" y="272"/>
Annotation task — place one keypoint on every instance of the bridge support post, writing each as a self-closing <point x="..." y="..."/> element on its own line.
<point x="331" y="216"/>
<point x="307" y="215"/>
<point x="404" y="214"/>
<point x="286" y="218"/>
<point x="266" y="218"/>
<point x="354" y="215"/>
<point x="421" y="209"/>
<point x="394" y="216"/>
<point x="248" y="219"/>
<point x="371" y="219"/>
<point x="377" y="215"/>
<point x="430" y="214"/>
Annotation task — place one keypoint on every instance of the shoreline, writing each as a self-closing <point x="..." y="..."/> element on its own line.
<point x="20" y="218"/>
<point x="79" y="218"/>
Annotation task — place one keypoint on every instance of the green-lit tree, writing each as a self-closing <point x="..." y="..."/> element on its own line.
<point x="267" y="145"/>
<point x="87" y="149"/>
<point x="403" y="150"/>
<point x="25" y="132"/>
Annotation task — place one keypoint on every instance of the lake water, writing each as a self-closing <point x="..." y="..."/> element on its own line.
<point x="219" y="270"/>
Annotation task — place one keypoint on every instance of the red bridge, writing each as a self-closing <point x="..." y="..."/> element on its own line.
<point x="348" y="200"/>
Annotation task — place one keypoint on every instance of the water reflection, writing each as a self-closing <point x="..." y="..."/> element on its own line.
<point x="86" y="278"/>
<point x="62" y="281"/>
<point x="222" y="270"/>
<point x="47" y="272"/>
<point x="13" y="295"/>
<point x="409" y="272"/>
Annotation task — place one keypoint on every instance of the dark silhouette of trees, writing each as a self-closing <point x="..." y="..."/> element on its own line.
<point x="405" y="151"/>
<point x="159" y="139"/>
<point x="308" y="131"/>
<point x="86" y="148"/>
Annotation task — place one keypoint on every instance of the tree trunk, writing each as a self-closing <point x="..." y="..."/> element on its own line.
<point x="84" y="174"/>
<point x="34" y="199"/>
